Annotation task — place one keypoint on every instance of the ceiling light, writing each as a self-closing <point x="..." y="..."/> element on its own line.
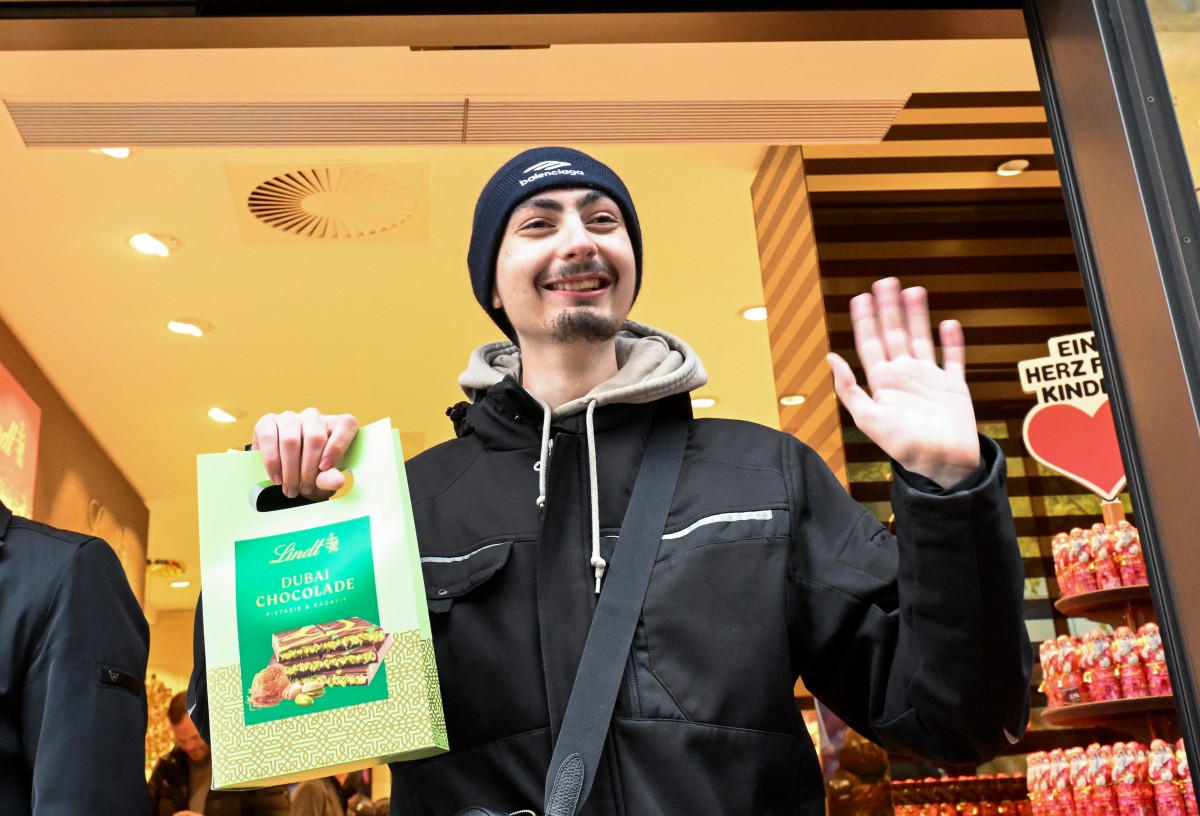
<point x="189" y="326"/>
<point x="793" y="399"/>
<point x="755" y="313"/>
<point x="219" y="415"/>
<point x="180" y="584"/>
<point x="704" y="402"/>
<point x="112" y="152"/>
<point x="161" y="245"/>
<point x="1013" y="167"/>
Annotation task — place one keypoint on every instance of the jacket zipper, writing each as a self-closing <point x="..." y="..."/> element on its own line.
<point x="635" y="702"/>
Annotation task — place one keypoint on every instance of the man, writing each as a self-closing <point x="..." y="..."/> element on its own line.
<point x="768" y="570"/>
<point x="73" y="645"/>
<point x="181" y="781"/>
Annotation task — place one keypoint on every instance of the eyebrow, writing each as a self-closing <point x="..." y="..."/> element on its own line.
<point x="585" y="200"/>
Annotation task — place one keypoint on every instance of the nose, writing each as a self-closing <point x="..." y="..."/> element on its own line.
<point x="577" y="242"/>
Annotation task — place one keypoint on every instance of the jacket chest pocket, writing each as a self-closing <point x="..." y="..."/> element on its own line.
<point x="448" y="578"/>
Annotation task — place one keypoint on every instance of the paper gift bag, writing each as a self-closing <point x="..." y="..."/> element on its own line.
<point x="316" y="629"/>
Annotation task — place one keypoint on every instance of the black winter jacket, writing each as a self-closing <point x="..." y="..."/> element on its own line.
<point x="73" y="646"/>
<point x="768" y="571"/>
<point x="170" y="789"/>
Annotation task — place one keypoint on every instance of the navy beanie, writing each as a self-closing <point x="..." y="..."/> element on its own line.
<point x="541" y="168"/>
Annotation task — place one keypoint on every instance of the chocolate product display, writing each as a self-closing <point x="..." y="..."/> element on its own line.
<point x="985" y="795"/>
<point x="308" y="659"/>
<point x="1105" y="556"/>
<point x="1112" y="780"/>
<point x="1100" y="666"/>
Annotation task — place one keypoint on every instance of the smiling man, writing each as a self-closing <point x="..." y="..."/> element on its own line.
<point x="768" y="570"/>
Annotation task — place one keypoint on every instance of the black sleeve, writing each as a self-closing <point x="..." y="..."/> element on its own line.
<point x="84" y="704"/>
<point x="917" y="641"/>
<point x="197" y="690"/>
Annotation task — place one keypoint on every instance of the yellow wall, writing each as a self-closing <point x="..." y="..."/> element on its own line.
<point x="171" y="648"/>
<point x="79" y="487"/>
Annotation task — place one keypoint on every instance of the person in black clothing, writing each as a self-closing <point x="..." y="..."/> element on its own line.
<point x="73" y="646"/>
<point x="767" y="570"/>
<point x="181" y="781"/>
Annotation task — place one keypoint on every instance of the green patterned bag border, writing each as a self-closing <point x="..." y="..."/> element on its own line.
<point x="408" y="725"/>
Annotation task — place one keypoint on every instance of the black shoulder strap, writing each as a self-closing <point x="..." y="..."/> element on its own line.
<point x="594" y="693"/>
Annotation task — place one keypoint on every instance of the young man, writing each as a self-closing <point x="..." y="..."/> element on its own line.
<point x="182" y="778"/>
<point x="768" y="570"/>
<point x="73" y="645"/>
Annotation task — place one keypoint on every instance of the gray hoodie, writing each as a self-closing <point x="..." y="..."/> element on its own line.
<point x="651" y="365"/>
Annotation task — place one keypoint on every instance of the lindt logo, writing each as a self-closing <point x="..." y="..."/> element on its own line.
<point x="290" y="552"/>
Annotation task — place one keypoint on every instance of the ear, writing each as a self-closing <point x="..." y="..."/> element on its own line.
<point x="496" y="304"/>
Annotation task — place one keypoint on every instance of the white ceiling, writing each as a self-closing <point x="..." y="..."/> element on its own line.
<point x="374" y="327"/>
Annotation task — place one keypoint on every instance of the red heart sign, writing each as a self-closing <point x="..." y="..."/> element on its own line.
<point x="1078" y="445"/>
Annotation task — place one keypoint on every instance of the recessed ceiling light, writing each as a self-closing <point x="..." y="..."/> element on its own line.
<point x="1013" y="167"/>
<point x="180" y="584"/>
<point x="221" y="415"/>
<point x="161" y="245"/>
<point x="793" y="399"/>
<point x="191" y="326"/>
<point x="704" y="402"/>
<point x="112" y="152"/>
<point x="755" y="313"/>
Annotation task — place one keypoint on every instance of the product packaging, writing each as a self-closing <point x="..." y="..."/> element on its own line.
<point x="1129" y="663"/>
<point x="1099" y="674"/>
<point x="316" y="630"/>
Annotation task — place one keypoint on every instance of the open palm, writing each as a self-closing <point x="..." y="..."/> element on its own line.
<point x="918" y="412"/>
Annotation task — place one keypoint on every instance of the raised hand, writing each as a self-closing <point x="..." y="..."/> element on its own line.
<point x="919" y="413"/>
<point x="301" y="451"/>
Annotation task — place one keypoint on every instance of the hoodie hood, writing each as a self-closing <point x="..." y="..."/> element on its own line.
<point x="651" y="364"/>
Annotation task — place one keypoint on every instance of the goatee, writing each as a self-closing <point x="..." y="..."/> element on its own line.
<point x="582" y="326"/>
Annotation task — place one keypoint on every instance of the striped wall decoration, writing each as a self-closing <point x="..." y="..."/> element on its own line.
<point x="795" y="308"/>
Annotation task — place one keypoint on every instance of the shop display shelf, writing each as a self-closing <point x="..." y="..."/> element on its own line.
<point x="1099" y="713"/>
<point x="1103" y="599"/>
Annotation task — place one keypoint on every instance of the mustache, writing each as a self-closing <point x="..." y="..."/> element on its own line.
<point x="592" y="266"/>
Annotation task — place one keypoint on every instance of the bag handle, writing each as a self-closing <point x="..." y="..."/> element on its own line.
<point x="594" y="692"/>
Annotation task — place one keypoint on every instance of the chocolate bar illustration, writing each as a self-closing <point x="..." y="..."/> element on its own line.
<point x="318" y="639"/>
<point x="344" y="652"/>
<point x="360" y="663"/>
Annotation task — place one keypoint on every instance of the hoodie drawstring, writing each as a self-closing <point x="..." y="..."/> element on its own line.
<point x="598" y="563"/>
<point x="544" y="456"/>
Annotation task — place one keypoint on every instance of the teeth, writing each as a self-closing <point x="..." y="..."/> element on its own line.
<point x="577" y="286"/>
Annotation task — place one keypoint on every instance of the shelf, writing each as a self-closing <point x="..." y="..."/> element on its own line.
<point x="1103" y="599"/>
<point x="1098" y="713"/>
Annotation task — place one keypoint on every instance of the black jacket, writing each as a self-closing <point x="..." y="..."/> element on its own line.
<point x="170" y="791"/>
<point x="73" y="646"/>
<point x="768" y="571"/>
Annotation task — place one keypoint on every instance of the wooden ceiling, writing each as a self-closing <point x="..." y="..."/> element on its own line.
<point x="928" y="207"/>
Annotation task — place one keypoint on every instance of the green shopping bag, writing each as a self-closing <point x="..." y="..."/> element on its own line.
<point x="316" y="629"/>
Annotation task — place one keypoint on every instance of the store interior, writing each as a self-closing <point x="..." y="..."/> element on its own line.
<point x="892" y="146"/>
